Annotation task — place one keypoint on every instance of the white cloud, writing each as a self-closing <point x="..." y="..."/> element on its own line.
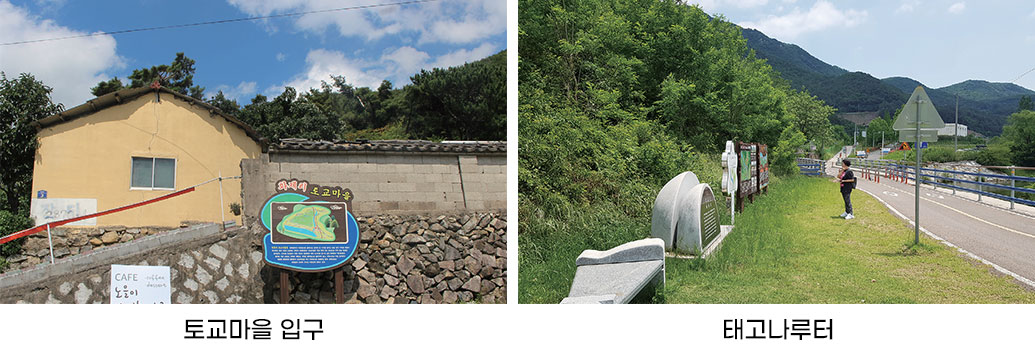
<point x="322" y="63"/>
<point x="48" y="5"/>
<point x="714" y="5"/>
<point x="281" y="57"/>
<point x="71" y="67"/>
<point x="456" y="22"/>
<point x="957" y="7"/>
<point x="242" y="91"/>
<point x="907" y="6"/>
<point x="462" y="56"/>
<point x="396" y="66"/>
<point x="822" y="15"/>
<point x="407" y="60"/>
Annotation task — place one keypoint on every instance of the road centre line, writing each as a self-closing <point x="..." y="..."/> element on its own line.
<point x="965" y="214"/>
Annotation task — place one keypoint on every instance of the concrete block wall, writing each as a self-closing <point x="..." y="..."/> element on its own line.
<point x="387" y="182"/>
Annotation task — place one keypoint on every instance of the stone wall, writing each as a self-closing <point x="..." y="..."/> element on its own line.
<point x="401" y="259"/>
<point x="387" y="182"/>
<point x="70" y="241"/>
<point x="206" y="266"/>
<point x="413" y="259"/>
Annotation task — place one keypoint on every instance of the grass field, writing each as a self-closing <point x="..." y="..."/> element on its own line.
<point x="788" y="247"/>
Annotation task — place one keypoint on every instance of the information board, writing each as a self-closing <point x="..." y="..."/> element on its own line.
<point x="140" y="284"/>
<point x="310" y="227"/>
<point x="763" y="167"/>
<point x="748" y="166"/>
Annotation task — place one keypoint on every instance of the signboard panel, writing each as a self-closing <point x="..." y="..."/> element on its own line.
<point x="747" y="164"/>
<point x="311" y="227"/>
<point x="763" y="167"/>
<point x="140" y="284"/>
<point x="926" y="135"/>
<point x="709" y="218"/>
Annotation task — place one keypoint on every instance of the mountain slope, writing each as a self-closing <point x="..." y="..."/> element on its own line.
<point x="983" y="106"/>
<point x="979" y="90"/>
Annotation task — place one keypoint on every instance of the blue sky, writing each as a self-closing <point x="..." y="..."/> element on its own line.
<point x="245" y="58"/>
<point x="937" y="42"/>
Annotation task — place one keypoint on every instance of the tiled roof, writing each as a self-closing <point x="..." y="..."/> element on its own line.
<point x="125" y="95"/>
<point x="295" y="144"/>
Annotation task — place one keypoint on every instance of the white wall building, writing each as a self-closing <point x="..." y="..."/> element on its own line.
<point x="947" y="131"/>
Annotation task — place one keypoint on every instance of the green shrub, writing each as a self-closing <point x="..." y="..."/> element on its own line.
<point x="10" y="223"/>
<point x="784" y="156"/>
<point x="994" y="155"/>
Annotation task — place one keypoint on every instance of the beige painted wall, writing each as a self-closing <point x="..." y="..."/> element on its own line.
<point x="90" y="157"/>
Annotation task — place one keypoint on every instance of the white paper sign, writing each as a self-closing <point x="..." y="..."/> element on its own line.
<point x="140" y="284"/>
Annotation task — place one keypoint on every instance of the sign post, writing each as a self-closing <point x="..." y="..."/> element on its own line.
<point x="729" y="177"/>
<point x="311" y="229"/>
<point x="923" y="126"/>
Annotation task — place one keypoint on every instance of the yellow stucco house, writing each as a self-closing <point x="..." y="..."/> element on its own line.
<point x="134" y="145"/>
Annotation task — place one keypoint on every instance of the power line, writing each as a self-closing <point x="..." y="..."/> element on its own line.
<point x="359" y="7"/>
<point x="1022" y="75"/>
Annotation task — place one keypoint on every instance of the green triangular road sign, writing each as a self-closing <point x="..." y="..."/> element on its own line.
<point x="919" y="105"/>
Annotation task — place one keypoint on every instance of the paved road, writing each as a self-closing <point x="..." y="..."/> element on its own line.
<point x="1000" y="237"/>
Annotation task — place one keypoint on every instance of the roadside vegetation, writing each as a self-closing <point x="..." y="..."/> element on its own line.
<point x="616" y="98"/>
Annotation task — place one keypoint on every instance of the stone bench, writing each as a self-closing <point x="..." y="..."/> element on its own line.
<point x="620" y="274"/>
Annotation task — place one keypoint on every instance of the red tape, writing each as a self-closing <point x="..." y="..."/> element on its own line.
<point x="43" y="227"/>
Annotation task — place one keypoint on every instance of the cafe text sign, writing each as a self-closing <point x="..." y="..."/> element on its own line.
<point x="140" y="284"/>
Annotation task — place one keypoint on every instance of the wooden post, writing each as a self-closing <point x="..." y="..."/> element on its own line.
<point x="284" y="284"/>
<point x="339" y="286"/>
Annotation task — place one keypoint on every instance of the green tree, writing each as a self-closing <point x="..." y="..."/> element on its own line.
<point x="22" y="101"/>
<point x="466" y="102"/>
<point x="1025" y="104"/>
<point x="1020" y="133"/>
<point x="177" y="76"/>
<point x="785" y="153"/>
<point x="810" y="116"/>
<point x="882" y="125"/>
<point x="228" y="106"/>
<point x="290" y="116"/>
<point x="106" y="87"/>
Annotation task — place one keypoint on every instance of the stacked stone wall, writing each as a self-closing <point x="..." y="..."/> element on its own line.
<point x="401" y="259"/>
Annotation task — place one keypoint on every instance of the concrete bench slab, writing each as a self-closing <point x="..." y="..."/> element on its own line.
<point x="618" y="275"/>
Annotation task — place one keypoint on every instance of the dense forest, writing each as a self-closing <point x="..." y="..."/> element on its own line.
<point x="616" y="97"/>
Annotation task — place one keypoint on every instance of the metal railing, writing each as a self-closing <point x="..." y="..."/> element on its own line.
<point x="978" y="182"/>
<point x="812" y="167"/>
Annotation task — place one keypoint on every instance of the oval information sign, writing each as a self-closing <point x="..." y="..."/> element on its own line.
<point x="310" y="227"/>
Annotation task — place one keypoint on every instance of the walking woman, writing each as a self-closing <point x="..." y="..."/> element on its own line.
<point x="847" y="180"/>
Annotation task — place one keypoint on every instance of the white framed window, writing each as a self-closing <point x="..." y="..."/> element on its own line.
<point x="151" y="173"/>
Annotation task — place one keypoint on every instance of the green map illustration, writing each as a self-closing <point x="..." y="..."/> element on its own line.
<point x="309" y="222"/>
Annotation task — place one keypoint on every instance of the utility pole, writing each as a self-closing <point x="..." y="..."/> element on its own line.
<point x="956" y="129"/>
<point x="855" y="136"/>
<point x="916" y="178"/>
